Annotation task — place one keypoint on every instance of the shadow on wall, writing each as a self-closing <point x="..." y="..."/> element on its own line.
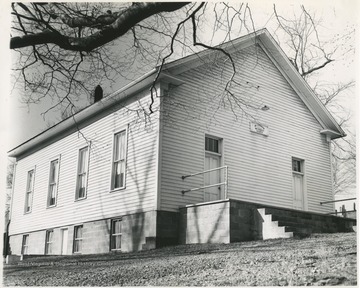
<point x="205" y="223"/>
<point x="140" y="176"/>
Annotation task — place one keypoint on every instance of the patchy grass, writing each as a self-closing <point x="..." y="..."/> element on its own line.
<point x="322" y="259"/>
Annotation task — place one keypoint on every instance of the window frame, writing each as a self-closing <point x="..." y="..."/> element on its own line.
<point x="80" y="240"/>
<point x="115" y="234"/>
<point x="112" y="180"/>
<point x="56" y="183"/>
<point x="301" y="165"/>
<point x="87" y="161"/>
<point x="219" y="144"/>
<point x="25" y="248"/>
<point x="29" y="192"/>
<point x="49" y="242"/>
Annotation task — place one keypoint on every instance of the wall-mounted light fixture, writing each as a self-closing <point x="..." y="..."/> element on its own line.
<point x="265" y="108"/>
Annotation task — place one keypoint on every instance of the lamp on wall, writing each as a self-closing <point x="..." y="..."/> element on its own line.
<point x="265" y="108"/>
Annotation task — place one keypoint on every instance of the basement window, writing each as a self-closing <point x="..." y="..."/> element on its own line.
<point x="78" y="237"/>
<point x="25" y="244"/>
<point x="49" y="241"/>
<point x="116" y="234"/>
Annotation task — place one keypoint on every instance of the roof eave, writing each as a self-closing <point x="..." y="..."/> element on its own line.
<point x="90" y="111"/>
<point x="300" y="85"/>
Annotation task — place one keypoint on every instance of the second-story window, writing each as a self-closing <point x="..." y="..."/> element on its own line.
<point x="82" y="173"/>
<point x="53" y="182"/>
<point x="119" y="161"/>
<point x="29" y="190"/>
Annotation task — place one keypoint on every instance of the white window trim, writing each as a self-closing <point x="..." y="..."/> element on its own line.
<point x="111" y="234"/>
<point x="302" y="165"/>
<point x="23" y="246"/>
<point x="126" y="129"/>
<point x="32" y="190"/>
<point x="87" y="172"/>
<point x="57" y="182"/>
<point x="81" y="239"/>
<point x="47" y="243"/>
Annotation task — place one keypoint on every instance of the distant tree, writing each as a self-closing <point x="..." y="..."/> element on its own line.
<point x="311" y="55"/>
<point x="9" y="183"/>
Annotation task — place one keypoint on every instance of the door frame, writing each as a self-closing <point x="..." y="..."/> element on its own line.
<point x="304" y="186"/>
<point x="221" y="156"/>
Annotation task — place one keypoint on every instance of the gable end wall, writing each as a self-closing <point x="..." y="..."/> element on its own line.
<point x="259" y="166"/>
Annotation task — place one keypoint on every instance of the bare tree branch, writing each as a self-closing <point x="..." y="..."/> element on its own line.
<point x="123" y="23"/>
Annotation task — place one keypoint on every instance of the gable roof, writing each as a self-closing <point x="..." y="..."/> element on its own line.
<point x="170" y="70"/>
<point x="281" y="61"/>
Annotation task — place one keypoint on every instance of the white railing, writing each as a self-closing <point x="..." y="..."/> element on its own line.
<point x="225" y="183"/>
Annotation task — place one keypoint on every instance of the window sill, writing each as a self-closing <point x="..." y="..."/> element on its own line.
<point x="117" y="189"/>
<point x="52" y="206"/>
<point x="28" y="212"/>
<point x="298" y="173"/>
<point x="80" y="199"/>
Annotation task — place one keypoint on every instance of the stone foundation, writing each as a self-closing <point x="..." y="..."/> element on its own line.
<point x="223" y="221"/>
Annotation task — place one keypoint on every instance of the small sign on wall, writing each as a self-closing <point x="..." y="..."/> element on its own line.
<point x="259" y="128"/>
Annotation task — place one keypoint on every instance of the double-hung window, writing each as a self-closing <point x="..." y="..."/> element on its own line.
<point x="53" y="182"/>
<point x="119" y="161"/>
<point x="25" y="244"/>
<point x="78" y="237"/>
<point x="115" y="240"/>
<point x="82" y="173"/>
<point x="49" y="241"/>
<point x="29" y="190"/>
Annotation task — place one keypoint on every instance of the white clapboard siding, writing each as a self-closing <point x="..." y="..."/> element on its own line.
<point x="140" y="191"/>
<point x="259" y="166"/>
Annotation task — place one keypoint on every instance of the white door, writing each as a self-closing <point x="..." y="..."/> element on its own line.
<point x="298" y="184"/>
<point x="298" y="191"/>
<point x="64" y="241"/>
<point x="214" y="177"/>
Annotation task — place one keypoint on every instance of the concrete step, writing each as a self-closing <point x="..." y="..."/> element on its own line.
<point x="298" y="230"/>
<point x="316" y="224"/>
<point x="288" y="213"/>
<point x="270" y="229"/>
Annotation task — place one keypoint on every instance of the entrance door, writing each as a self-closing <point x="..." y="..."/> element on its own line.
<point x="64" y="241"/>
<point x="298" y="183"/>
<point x="212" y="193"/>
<point x="212" y="160"/>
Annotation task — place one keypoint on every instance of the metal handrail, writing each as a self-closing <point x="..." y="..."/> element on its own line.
<point x="203" y="172"/>
<point x="341" y="212"/>
<point x="225" y="183"/>
<point x="333" y="201"/>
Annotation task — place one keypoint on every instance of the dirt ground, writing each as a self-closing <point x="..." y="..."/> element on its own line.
<point x="322" y="259"/>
